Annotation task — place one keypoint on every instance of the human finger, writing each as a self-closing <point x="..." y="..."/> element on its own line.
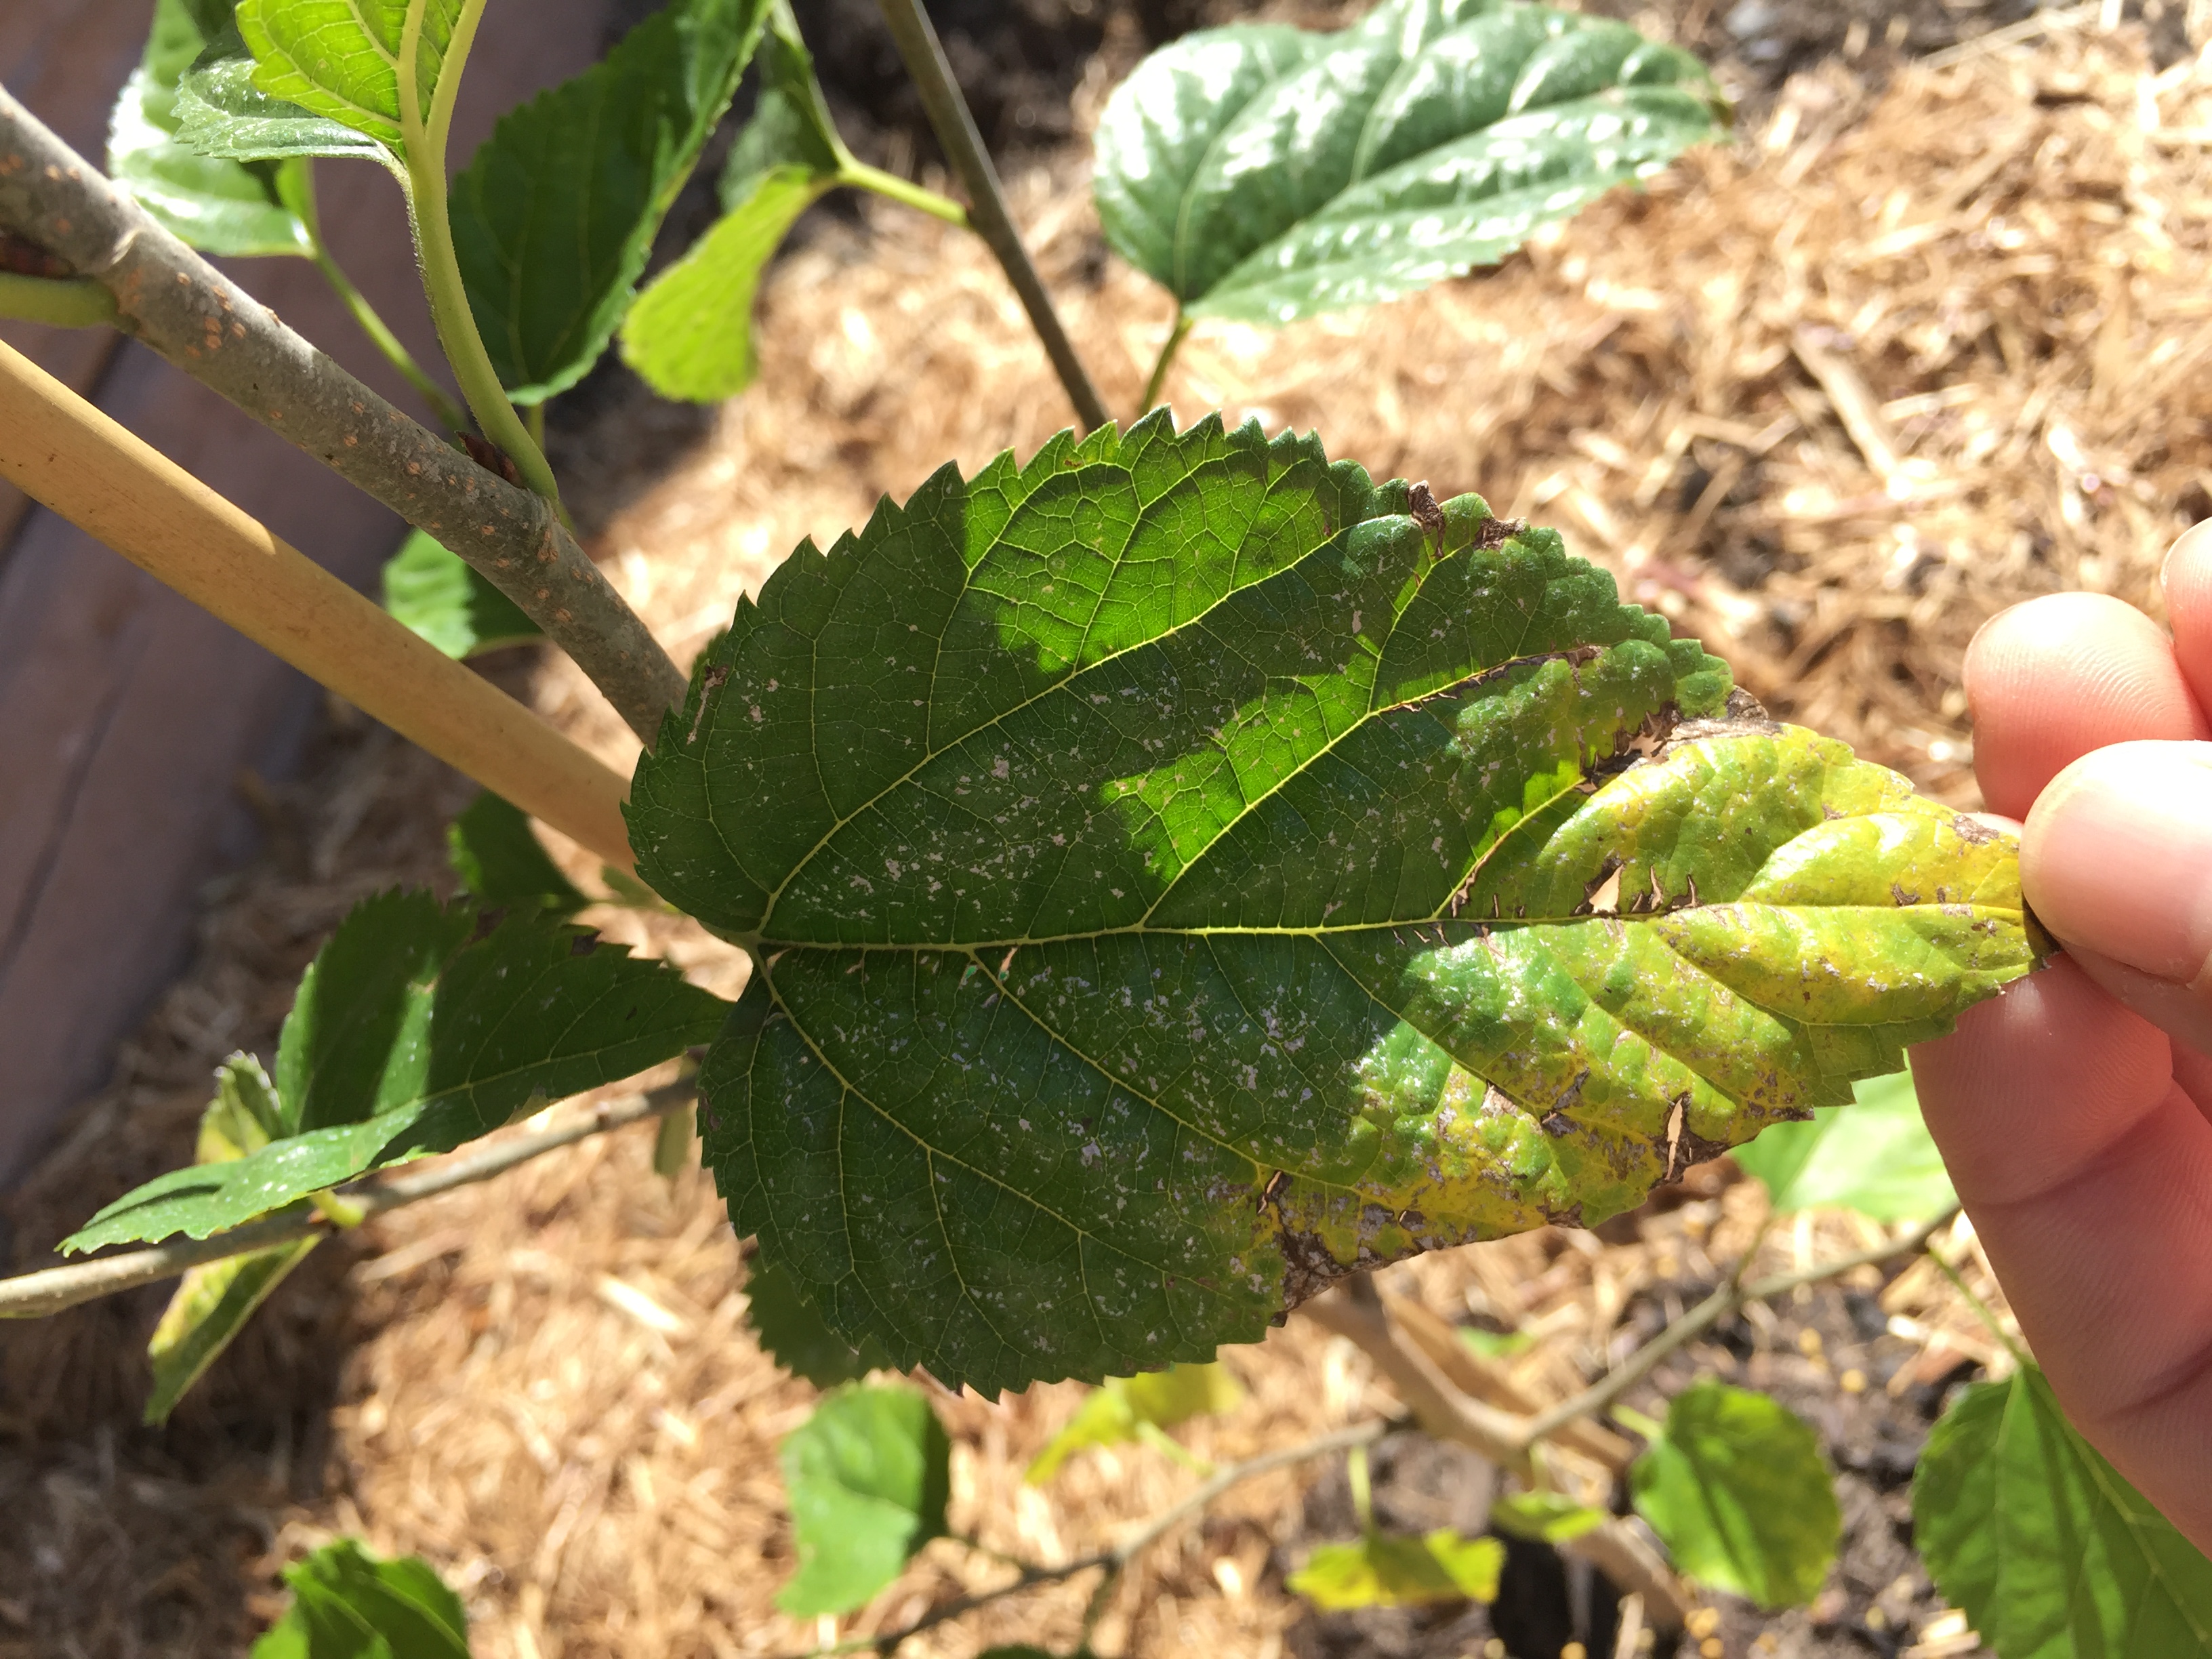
<point x="2050" y="680"/>
<point x="2187" y="580"/>
<point x="2087" y="1171"/>
<point x="2116" y="858"/>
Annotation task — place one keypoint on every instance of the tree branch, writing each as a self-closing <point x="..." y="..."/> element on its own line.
<point x="34" y="1294"/>
<point x="182" y="307"/>
<point x="955" y="126"/>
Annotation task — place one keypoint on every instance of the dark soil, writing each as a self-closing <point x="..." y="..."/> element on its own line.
<point x="1875" y="1594"/>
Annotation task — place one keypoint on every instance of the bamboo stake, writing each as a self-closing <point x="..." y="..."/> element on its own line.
<point x="63" y="452"/>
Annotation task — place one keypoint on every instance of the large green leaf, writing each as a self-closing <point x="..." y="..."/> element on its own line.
<point x="867" y="1475"/>
<point x="1134" y="1407"/>
<point x="212" y="1304"/>
<point x="1177" y="879"/>
<point x="1874" y="1156"/>
<point x="1736" y="1489"/>
<point x="219" y="206"/>
<point x="1393" y="1569"/>
<point x="691" y="333"/>
<point x="1264" y="173"/>
<point x="449" y="603"/>
<point x="348" y="1604"/>
<point x="2050" y="1552"/>
<point x="409" y="1038"/>
<point x="554" y="216"/>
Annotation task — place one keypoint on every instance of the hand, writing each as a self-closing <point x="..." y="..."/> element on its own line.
<point x="2075" y="1110"/>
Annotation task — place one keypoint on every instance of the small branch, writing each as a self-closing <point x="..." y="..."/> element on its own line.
<point x="955" y="126"/>
<point x="1356" y="1313"/>
<point x="1161" y="364"/>
<point x="59" y="302"/>
<point x="1727" y="1300"/>
<point x="34" y="1294"/>
<point x="191" y="313"/>
<point x="63" y="452"/>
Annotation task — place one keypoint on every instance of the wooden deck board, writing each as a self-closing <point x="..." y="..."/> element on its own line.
<point x="126" y="714"/>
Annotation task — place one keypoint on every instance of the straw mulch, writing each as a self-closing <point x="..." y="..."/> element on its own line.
<point x="1829" y="398"/>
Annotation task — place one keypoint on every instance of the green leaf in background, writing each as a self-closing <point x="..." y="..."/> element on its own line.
<point x="213" y="1301"/>
<point x="691" y="333"/>
<point x="1125" y="1406"/>
<point x="1545" y="1517"/>
<point x="1263" y="174"/>
<point x="1736" y="1489"/>
<point x="348" y="1604"/>
<point x="450" y="604"/>
<point x="792" y="1332"/>
<point x="1874" y="1156"/>
<point x="500" y="860"/>
<point x="408" y="1038"/>
<point x="218" y="206"/>
<point x="867" y="1476"/>
<point x="2051" y="1554"/>
<point x="339" y="59"/>
<point x="1389" y="1569"/>
<point x="1182" y="872"/>
<point x="554" y="216"/>
<point x="1493" y="1344"/>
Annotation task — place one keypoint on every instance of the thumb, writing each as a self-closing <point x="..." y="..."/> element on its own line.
<point x="2116" y="860"/>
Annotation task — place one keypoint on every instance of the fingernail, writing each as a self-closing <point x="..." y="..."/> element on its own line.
<point x="2191" y="540"/>
<point x="2117" y="855"/>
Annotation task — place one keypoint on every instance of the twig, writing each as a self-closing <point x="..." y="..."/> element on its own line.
<point x="51" y="1289"/>
<point x="2027" y="28"/>
<point x="1356" y="1312"/>
<point x="1119" y="1557"/>
<point x="61" y="451"/>
<point x="182" y="307"/>
<point x="955" y="126"/>
<point x="1723" y="1301"/>
<point x="59" y="302"/>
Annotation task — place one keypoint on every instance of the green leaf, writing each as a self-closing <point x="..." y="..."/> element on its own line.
<point x="222" y="114"/>
<point x="791" y="1331"/>
<point x="1876" y="1156"/>
<point x="690" y="335"/>
<point x="408" y="1039"/>
<point x="212" y="1304"/>
<point x="1124" y="1406"/>
<point x="554" y="218"/>
<point x="219" y="206"/>
<point x="2050" y="1552"/>
<point x="1736" y="1490"/>
<point x="1175" y="882"/>
<point x="339" y="59"/>
<point x="1387" y="1570"/>
<point x="1263" y="174"/>
<point x="501" y="862"/>
<point x="867" y="1476"/>
<point x="1545" y="1517"/>
<point x="348" y="1604"/>
<point x="1493" y="1344"/>
<point x="448" y="602"/>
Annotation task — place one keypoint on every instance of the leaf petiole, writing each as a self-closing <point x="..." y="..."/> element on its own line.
<point x="853" y="171"/>
<point x="423" y="139"/>
<point x="338" y="1211"/>
<point x="60" y="302"/>
<point x="1164" y="360"/>
<point x="295" y="187"/>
